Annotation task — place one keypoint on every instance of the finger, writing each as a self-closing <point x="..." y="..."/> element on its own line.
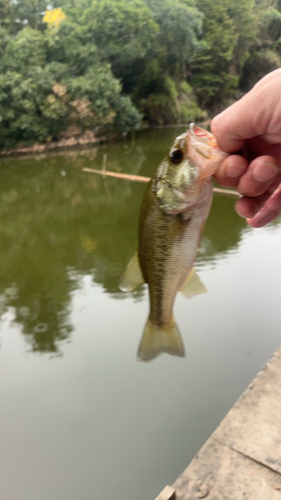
<point x="231" y="170"/>
<point x="268" y="212"/>
<point x="256" y="114"/>
<point x="248" y="207"/>
<point x="243" y="120"/>
<point x="259" y="147"/>
<point x="260" y="175"/>
<point x="275" y="183"/>
<point x="225" y="128"/>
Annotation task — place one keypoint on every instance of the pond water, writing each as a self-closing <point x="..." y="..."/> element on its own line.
<point x="80" y="418"/>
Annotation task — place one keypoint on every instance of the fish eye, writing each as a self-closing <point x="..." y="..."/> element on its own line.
<point x="176" y="155"/>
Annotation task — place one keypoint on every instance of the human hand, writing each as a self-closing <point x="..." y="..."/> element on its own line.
<point x="253" y="125"/>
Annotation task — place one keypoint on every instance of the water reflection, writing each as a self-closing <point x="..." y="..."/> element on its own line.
<point x="223" y="231"/>
<point x="58" y="223"/>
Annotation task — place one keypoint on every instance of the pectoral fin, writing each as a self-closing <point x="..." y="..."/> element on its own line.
<point x="132" y="276"/>
<point x="193" y="285"/>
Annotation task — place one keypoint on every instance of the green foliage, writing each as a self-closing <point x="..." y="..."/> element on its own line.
<point x="122" y="30"/>
<point x="155" y="83"/>
<point x="25" y="51"/>
<point x="269" y="25"/>
<point x="177" y="105"/>
<point x="180" y="24"/>
<point x="244" y="18"/>
<point x="7" y="17"/>
<point x="259" y="64"/>
<point x="229" y="33"/>
<point x="50" y="81"/>
<point x="110" y="62"/>
<point x="210" y="68"/>
<point x="264" y="54"/>
<point x="28" y="13"/>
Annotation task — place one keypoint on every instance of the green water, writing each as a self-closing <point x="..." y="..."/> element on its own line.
<point x="80" y="418"/>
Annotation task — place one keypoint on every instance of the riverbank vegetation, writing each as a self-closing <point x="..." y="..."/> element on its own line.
<point x="73" y="65"/>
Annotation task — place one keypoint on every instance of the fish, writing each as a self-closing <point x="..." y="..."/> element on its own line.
<point x="173" y="213"/>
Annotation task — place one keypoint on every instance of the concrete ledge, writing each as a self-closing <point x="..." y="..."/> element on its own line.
<point x="242" y="458"/>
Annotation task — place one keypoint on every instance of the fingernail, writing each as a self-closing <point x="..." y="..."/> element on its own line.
<point x="235" y="170"/>
<point x="240" y="212"/>
<point x="264" y="172"/>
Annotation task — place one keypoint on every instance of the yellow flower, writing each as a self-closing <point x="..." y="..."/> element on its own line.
<point x="54" y="17"/>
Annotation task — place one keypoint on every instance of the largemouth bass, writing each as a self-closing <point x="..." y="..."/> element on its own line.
<point x="175" y="207"/>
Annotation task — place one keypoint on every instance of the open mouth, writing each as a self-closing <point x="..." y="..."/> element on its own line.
<point x="202" y="135"/>
<point x="204" y="144"/>
<point x="203" y="150"/>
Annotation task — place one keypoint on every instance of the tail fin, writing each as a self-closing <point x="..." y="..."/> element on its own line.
<point x="157" y="339"/>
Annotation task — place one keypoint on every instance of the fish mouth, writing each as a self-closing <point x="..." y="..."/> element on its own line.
<point x="201" y="135"/>
<point x="203" y="150"/>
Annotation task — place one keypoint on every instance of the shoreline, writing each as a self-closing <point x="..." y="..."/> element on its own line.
<point x="87" y="139"/>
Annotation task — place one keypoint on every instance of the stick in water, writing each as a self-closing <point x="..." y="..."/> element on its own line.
<point x="138" y="178"/>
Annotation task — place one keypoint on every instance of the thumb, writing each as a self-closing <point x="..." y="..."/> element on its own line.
<point x="253" y="115"/>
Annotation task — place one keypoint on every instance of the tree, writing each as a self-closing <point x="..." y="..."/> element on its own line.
<point x="229" y="31"/>
<point x="180" y="24"/>
<point x="50" y="81"/>
<point x="265" y="52"/>
<point x="28" y="13"/>
<point x="210" y="68"/>
<point x="158" y="85"/>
